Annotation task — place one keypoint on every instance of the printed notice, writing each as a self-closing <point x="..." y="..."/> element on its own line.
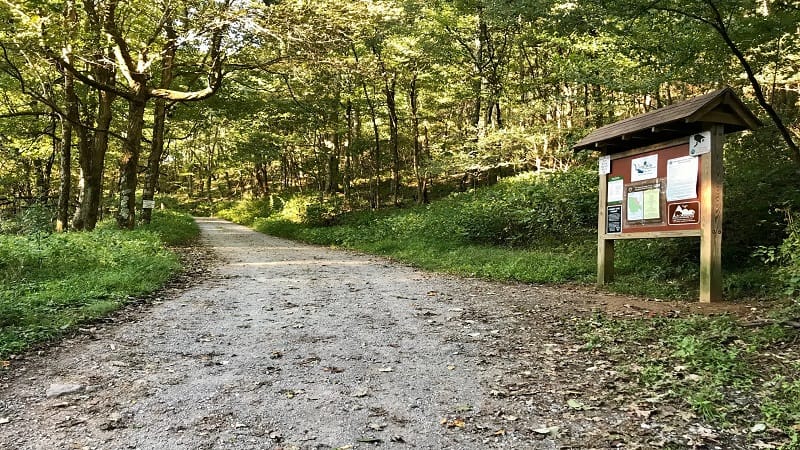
<point x="651" y="209"/>
<point x="635" y="206"/>
<point x="681" y="178"/>
<point x="604" y="165"/>
<point x="148" y="204"/>
<point x="616" y="190"/>
<point x="644" y="168"/>
<point x="700" y="143"/>
<point x="614" y="219"/>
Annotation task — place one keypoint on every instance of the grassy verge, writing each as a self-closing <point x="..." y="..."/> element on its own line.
<point x="432" y="238"/>
<point x="52" y="283"/>
<point x="738" y="377"/>
<point x="424" y="237"/>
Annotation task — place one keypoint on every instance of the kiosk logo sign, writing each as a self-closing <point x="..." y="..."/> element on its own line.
<point x="684" y="213"/>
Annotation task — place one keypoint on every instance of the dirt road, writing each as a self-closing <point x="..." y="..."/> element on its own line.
<point x="292" y="346"/>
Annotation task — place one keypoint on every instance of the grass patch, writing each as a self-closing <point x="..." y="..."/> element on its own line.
<point x="423" y="237"/>
<point x="731" y="375"/>
<point x="51" y="283"/>
<point x="530" y="228"/>
<point x="173" y="228"/>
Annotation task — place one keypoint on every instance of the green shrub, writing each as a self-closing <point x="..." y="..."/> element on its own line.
<point x="322" y="212"/>
<point x="35" y="219"/>
<point x="172" y="227"/>
<point x="247" y="211"/>
<point x="756" y="195"/>
<point x="527" y="209"/>
<point x="788" y="254"/>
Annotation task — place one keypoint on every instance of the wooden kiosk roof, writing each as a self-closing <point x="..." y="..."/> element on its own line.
<point x="674" y="121"/>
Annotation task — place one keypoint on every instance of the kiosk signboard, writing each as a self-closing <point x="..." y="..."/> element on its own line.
<point x="661" y="176"/>
<point x="653" y="191"/>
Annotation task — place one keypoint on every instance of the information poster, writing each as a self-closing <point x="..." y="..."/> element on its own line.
<point x="148" y="204"/>
<point x="604" y="165"/>
<point x="700" y="143"/>
<point x="652" y="204"/>
<point x="616" y="189"/>
<point x="657" y="191"/>
<point x="635" y="206"/>
<point x="614" y="219"/>
<point x="643" y="204"/>
<point x="644" y="168"/>
<point x="682" y="178"/>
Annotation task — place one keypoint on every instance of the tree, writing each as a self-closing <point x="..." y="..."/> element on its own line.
<point x="749" y="31"/>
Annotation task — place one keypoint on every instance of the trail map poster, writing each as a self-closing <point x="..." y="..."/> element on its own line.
<point x="644" y="202"/>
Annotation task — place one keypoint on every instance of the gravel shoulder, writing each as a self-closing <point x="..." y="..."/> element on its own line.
<point x="285" y="346"/>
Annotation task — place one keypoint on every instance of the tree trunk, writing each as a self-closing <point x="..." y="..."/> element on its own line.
<point x="375" y="183"/>
<point x="391" y="106"/>
<point x="419" y="173"/>
<point x="375" y="191"/>
<point x="92" y="151"/>
<point x="210" y="166"/>
<point x="62" y="216"/>
<point x="348" y="152"/>
<point x="129" y="163"/>
<point x="390" y="92"/>
<point x="154" y="159"/>
<point x="334" y="171"/>
<point x="159" y="126"/>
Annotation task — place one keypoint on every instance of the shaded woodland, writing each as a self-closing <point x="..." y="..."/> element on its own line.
<point x="367" y="104"/>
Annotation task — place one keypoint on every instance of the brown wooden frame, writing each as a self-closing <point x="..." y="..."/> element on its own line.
<point x="720" y="113"/>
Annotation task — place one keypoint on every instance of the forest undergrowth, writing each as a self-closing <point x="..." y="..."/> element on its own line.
<point x="55" y="282"/>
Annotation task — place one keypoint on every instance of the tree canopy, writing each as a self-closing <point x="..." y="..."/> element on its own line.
<point x="370" y="101"/>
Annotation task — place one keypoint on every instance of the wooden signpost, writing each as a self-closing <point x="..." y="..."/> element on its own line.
<point x="661" y="176"/>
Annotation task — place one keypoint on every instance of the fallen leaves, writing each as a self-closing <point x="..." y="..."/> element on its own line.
<point x="377" y="426"/>
<point x="547" y="430"/>
<point x="455" y="422"/>
<point x="576" y="404"/>
<point x="292" y="393"/>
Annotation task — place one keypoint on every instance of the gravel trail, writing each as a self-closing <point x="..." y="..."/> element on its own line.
<point x="288" y="346"/>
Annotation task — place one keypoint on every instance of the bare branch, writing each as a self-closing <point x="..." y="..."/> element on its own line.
<point x="26" y="114"/>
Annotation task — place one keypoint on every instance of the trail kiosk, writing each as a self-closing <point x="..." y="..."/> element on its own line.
<point x="661" y="176"/>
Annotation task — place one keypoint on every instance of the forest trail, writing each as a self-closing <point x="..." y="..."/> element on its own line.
<point x="289" y="346"/>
